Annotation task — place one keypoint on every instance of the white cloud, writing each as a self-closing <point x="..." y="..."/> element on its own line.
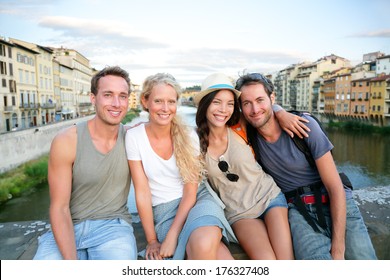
<point x="385" y="33"/>
<point x="97" y="31"/>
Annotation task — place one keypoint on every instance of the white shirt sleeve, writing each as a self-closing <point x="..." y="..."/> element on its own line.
<point x="132" y="148"/>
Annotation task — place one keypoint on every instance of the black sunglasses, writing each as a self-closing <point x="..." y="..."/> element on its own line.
<point x="255" y="77"/>
<point x="224" y="167"/>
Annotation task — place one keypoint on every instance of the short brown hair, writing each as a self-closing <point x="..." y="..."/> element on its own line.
<point x="109" y="70"/>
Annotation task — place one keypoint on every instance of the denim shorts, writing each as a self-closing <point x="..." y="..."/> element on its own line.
<point x="278" y="201"/>
<point x="95" y="240"/>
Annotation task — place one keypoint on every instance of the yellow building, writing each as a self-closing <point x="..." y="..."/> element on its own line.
<point x="379" y="92"/>
<point x="26" y="85"/>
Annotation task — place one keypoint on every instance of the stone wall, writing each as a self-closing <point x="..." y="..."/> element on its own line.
<point x="18" y="147"/>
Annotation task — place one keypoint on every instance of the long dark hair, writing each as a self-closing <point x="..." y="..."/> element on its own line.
<point x="203" y="129"/>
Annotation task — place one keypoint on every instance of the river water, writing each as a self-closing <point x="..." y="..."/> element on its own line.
<point x="364" y="158"/>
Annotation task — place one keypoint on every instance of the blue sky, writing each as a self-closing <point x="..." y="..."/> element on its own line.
<point x="192" y="39"/>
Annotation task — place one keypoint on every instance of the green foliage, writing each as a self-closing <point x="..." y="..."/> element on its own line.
<point x="37" y="171"/>
<point x="23" y="178"/>
<point x="193" y="88"/>
<point x="361" y="127"/>
<point x="130" y="116"/>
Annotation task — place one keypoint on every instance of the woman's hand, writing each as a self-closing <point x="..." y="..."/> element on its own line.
<point x="168" y="246"/>
<point x="292" y="124"/>
<point x="153" y="251"/>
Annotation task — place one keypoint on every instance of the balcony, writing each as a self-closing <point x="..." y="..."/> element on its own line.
<point x="85" y="104"/>
<point x="48" y="105"/>
<point x="9" y="109"/>
<point x="30" y="106"/>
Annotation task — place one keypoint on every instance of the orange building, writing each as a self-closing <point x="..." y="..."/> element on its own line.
<point x="329" y="94"/>
<point x="360" y="98"/>
<point x="343" y="95"/>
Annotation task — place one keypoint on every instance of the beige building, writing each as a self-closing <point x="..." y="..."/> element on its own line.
<point x="285" y="87"/>
<point x="310" y="73"/>
<point x="9" y="111"/>
<point x="26" y="85"/>
<point x="57" y="89"/>
<point x="76" y="69"/>
<point x="44" y="80"/>
<point x="134" y="102"/>
<point x="383" y="65"/>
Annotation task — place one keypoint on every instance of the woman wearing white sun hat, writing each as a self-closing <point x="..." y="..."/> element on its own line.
<point x="255" y="206"/>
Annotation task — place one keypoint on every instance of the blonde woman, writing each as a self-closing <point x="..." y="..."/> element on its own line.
<point x="179" y="216"/>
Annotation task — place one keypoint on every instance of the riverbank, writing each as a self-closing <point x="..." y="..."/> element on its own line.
<point x="374" y="204"/>
<point x="28" y="175"/>
<point x="19" y="240"/>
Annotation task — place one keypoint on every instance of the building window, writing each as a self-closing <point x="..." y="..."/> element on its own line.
<point x="373" y="108"/>
<point x="4" y="82"/>
<point x="3" y="68"/>
<point x="12" y="85"/>
<point x="2" y="50"/>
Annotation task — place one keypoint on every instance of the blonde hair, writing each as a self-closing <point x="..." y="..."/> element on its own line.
<point x="189" y="164"/>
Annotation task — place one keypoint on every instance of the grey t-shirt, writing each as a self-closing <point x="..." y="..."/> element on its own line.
<point x="287" y="164"/>
<point x="101" y="182"/>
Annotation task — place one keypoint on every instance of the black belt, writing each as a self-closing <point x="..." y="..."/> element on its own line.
<point x="296" y="196"/>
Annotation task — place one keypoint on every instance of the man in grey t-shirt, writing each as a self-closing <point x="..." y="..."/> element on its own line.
<point x="334" y="228"/>
<point x="89" y="181"/>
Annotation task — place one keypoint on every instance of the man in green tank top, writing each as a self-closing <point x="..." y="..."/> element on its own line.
<point x="89" y="180"/>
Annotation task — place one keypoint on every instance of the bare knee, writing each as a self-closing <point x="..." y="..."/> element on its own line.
<point x="204" y="243"/>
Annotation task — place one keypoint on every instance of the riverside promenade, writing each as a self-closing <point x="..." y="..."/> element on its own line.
<point x="19" y="240"/>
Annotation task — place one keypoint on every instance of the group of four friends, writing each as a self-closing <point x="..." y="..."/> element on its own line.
<point x="237" y="177"/>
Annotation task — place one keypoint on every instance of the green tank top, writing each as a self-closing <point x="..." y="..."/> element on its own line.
<point x="101" y="182"/>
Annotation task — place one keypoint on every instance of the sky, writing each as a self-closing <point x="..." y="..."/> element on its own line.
<point x="193" y="39"/>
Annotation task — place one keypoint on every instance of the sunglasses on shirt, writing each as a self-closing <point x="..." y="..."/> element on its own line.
<point x="224" y="167"/>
